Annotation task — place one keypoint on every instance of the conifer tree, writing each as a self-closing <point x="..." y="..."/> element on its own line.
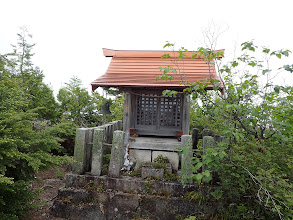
<point x="25" y="148"/>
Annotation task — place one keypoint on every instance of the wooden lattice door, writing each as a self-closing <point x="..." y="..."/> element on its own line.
<point x="158" y="115"/>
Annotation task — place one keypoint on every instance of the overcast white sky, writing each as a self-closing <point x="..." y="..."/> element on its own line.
<point x="70" y="34"/>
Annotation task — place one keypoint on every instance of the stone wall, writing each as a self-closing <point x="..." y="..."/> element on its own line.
<point x="91" y="198"/>
<point x="90" y="146"/>
<point x="92" y="143"/>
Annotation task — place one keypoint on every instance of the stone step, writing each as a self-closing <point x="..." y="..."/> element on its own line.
<point x="127" y="184"/>
<point x="92" y="204"/>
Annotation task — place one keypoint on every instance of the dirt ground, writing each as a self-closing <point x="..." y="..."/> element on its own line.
<point x="49" y="181"/>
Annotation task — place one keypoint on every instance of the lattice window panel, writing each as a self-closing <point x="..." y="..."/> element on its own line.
<point x="147" y="110"/>
<point x="170" y="111"/>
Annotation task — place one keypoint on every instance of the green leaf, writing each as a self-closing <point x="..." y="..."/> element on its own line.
<point x="249" y="46"/>
<point x="198" y="178"/>
<point x="217" y="194"/>
<point x="222" y="154"/>
<point x="165" y="56"/>
<point x="277" y="89"/>
<point x="164" y="77"/>
<point x="266" y="50"/>
<point x="285" y="52"/>
<point x="288" y="68"/>
<point x="174" y="70"/>
<point x="216" y="88"/>
<point x="198" y="165"/>
<point x="206" y="173"/>
<point x="194" y="55"/>
<point x="265" y="71"/>
<point x="168" y="45"/>
<point x="252" y="63"/>
<point x="235" y="63"/>
<point x="169" y="92"/>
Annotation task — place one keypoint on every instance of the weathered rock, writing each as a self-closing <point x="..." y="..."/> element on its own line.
<point x="208" y="142"/>
<point x="162" y="208"/>
<point x="119" y="123"/>
<point x="147" y="171"/>
<point x="172" y="156"/>
<point x="80" y="154"/>
<point x="186" y="161"/>
<point x="97" y="152"/>
<point x="207" y="132"/>
<point x="195" y="133"/>
<point x="122" y="206"/>
<point x="117" y="154"/>
<point x="140" y="156"/>
<point x="77" y="211"/>
<point x="219" y="138"/>
<point x="133" y="185"/>
<point x="92" y="204"/>
<point x="110" y="133"/>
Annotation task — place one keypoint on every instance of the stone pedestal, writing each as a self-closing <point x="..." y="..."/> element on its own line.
<point x="117" y="154"/>
<point x="80" y="151"/>
<point x="195" y="133"/>
<point x="147" y="171"/>
<point x="140" y="156"/>
<point x="97" y="152"/>
<point x="173" y="157"/>
<point x="186" y="161"/>
<point x="208" y="142"/>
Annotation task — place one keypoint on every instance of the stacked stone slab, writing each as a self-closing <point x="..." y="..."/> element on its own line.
<point x="131" y="198"/>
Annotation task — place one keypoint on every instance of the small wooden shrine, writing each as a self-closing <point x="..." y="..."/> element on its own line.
<point x="146" y="110"/>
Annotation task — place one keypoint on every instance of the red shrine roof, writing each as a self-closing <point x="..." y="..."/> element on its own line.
<point x="131" y="68"/>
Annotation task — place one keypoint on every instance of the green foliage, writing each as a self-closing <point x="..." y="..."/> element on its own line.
<point x="59" y="174"/>
<point x="82" y="108"/>
<point x="168" y="176"/>
<point x="161" y="159"/>
<point x="91" y="186"/>
<point x="27" y="135"/>
<point x="191" y="218"/>
<point x="195" y="197"/>
<point x="165" y="75"/>
<point x="203" y="167"/>
<point x="76" y="104"/>
<point x="117" y="107"/>
<point x="255" y="115"/>
<point x="148" y="187"/>
<point x="217" y="194"/>
<point x="106" y="163"/>
<point x="38" y="95"/>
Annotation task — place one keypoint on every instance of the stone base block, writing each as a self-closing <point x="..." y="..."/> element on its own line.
<point x="140" y="156"/>
<point x="147" y="171"/>
<point x="172" y="156"/>
<point x="108" y="201"/>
